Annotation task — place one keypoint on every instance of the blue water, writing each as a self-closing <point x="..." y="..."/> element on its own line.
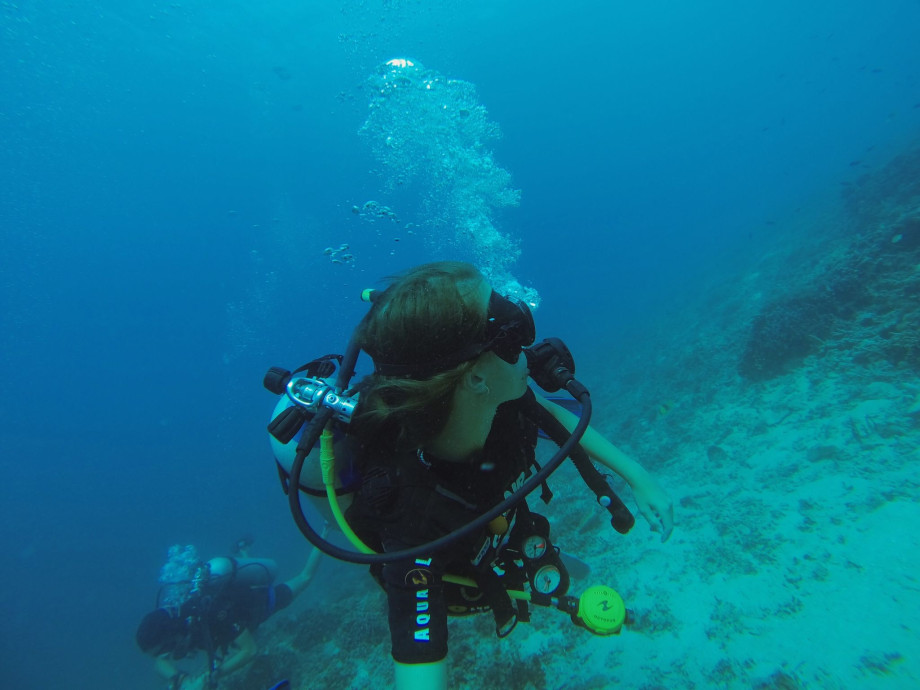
<point x="170" y="174"/>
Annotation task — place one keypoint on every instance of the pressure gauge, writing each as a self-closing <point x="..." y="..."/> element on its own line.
<point x="534" y="547"/>
<point x="547" y="579"/>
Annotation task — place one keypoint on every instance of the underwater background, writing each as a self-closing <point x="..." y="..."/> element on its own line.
<point x="716" y="204"/>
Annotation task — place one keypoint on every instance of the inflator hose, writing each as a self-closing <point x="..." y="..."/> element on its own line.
<point x="621" y="519"/>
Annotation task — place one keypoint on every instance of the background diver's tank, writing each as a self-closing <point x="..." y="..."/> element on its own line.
<point x="243" y="572"/>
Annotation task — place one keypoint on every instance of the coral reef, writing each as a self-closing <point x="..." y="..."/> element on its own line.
<point x="863" y="299"/>
<point x="784" y="333"/>
<point x="788" y="461"/>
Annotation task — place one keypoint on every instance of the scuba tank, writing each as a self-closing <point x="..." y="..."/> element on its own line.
<point x="222" y="572"/>
<point x="292" y="418"/>
<point x="311" y="478"/>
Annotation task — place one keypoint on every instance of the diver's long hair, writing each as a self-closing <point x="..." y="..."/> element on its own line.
<point x="427" y="313"/>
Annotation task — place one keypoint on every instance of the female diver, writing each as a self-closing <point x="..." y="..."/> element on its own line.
<point x="446" y="431"/>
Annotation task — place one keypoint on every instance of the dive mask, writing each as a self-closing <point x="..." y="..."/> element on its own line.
<point x="509" y="329"/>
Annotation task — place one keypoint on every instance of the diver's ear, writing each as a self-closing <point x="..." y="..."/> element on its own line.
<point x="474" y="382"/>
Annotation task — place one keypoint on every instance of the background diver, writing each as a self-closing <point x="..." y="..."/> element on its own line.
<point x="229" y="598"/>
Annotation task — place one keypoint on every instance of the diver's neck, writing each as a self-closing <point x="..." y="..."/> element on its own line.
<point x="466" y="430"/>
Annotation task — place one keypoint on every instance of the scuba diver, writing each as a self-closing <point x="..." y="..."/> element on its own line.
<point x="227" y="599"/>
<point x="436" y="448"/>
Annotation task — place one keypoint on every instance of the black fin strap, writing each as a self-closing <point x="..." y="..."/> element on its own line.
<point x="523" y="611"/>
<point x="499" y="600"/>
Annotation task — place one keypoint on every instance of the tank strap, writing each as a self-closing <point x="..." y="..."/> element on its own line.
<point x="272" y="599"/>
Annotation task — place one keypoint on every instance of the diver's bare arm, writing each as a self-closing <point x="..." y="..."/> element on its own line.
<point x="598" y="447"/>
<point x="654" y="503"/>
<point x="299" y="582"/>
<point x="242" y="656"/>
<point x="431" y="676"/>
<point x="165" y="667"/>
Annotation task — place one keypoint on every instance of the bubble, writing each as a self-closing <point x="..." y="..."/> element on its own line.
<point x="425" y="127"/>
<point x="177" y="574"/>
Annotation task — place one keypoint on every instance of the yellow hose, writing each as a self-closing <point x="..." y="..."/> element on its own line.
<point x="327" y="465"/>
<point x="467" y="582"/>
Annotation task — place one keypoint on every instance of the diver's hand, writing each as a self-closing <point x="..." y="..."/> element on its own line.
<point x="199" y="682"/>
<point x="655" y="505"/>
